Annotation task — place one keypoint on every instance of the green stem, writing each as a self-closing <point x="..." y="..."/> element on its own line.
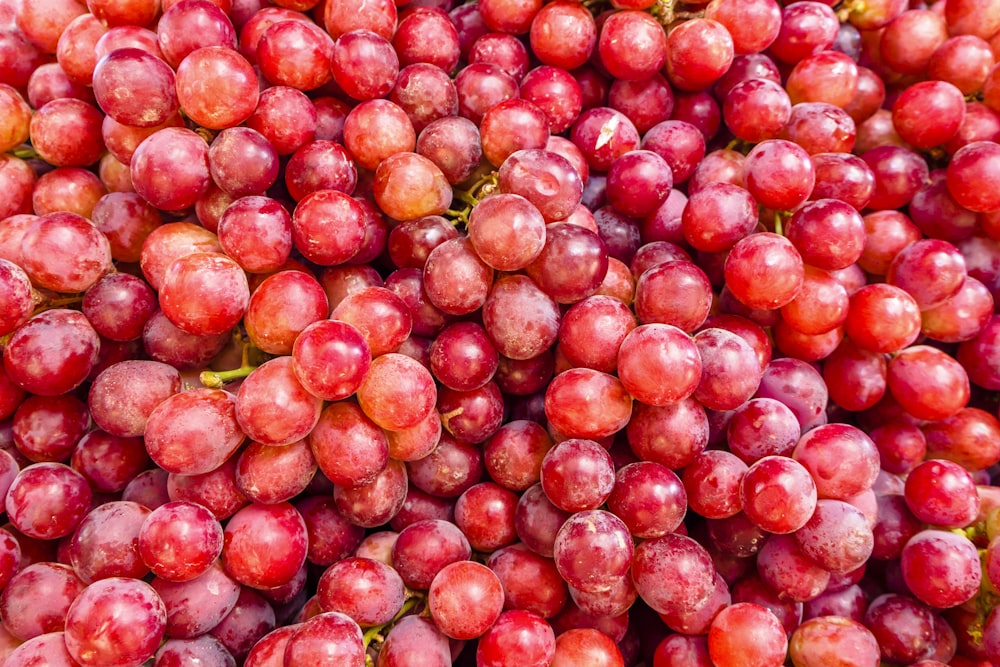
<point x="459" y="216"/>
<point x="374" y="632"/>
<point x="474" y="193"/>
<point x="663" y="11"/>
<point x="25" y="152"/>
<point x="466" y="197"/>
<point x="216" y="379"/>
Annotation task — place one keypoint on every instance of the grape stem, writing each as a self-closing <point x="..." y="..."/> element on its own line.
<point x="43" y="303"/>
<point x="25" y="152"/>
<point x="470" y="196"/>
<point x="466" y="197"/>
<point x="459" y="215"/>
<point x="375" y="632"/>
<point x="779" y="223"/>
<point x="666" y="12"/>
<point x="217" y="379"/>
<point x="481" y="188"/>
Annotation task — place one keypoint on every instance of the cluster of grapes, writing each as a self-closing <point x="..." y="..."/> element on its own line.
<point x="409" y="333"/>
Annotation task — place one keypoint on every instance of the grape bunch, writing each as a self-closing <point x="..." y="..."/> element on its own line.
<point x="509" y="333"/>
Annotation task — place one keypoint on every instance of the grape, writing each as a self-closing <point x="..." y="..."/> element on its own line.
<point x="712" y="484"/>
<point x="926" y="496"/>
<point x="899" y="174"/>
<point x="206" y="649"/>
<point x="64" y="252"/>
<point x="756" y="109"/>
<point x="163" y="185"/>
<point x="942" y="99"/>
<point x="603" y="134"/>
<point x="485" y="512"/>
<point x="823" y="451"/>
<point x="125" y="414"/>
<point x="414" y="37"/>
<point x="411" y="634"/>
<point x="586" y="645"/>
<point x="49" y="429"/>
<point x="47" y="649"/>
<point x="837" y="536"/>
<point x="677" y="649"/>
<point x="778" y="494"/>
<point x="465" y="599"/>
<point x="250" y="552"/>
<point x="507" y="231"/>
<point x="329" y="638"/>
<point x="375" y="503"/>
<point x="409" y="185"/>
<point x="649" y="498"/>
<point x="286" y="117"/>
<point x="116" y="620"/>
<point x="698" y="53"/>
<point x="517" y="638"/>
<point x="509" y="305"/>
<point x="730" y="370"/>
<point x="828" y="77"/>
<point x="17" y="129"/>
<point x="965" y="438"/>
<point x="530" y="581"/>
<point x="302" y="41"/>
<point x="903" y="626"/>
<point x="127" y="71"/>
<point x="949" y="568"/>
<point x="423" y="548"/>
<point x="746" y="634"/>
<point x="671" y="435"/>
<point x="450" y="468"/>
<point x="577" y="475"/>
<point x="563" y="36"/>
<point x="368" y="591"/>
<point x="256" y="217"/>
<point x="118" y="306"/>
<point x="832" y="638"/>
<point x="59" y="584"/>
<point x="659" y="364"/>
<point x="271" y="384"/>
<point x="183" y="419"/>
<point x="416" y="442"/>
<point x="764" y="284"/>
<point x="537" y="520"/>
<point x="397" y="392"/>
<point x="909" y="369"/>
<point x="571" y="264"/>
<point x="179" y="540"/>
<point x="270" y="649"/>
<point x="229" y="77"/>
<point x="70" y="189"/>
<point x="631" y="45"/>
<point x="882" y="318"/>
<point x="275" y="473"/>
<point x="111" y="528"/>
<point x="682" y="586"/>
<point x="608" y="411"/>
<point x="47" y="500"/>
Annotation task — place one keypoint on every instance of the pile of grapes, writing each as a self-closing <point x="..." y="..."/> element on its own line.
<point x="410" y="333"/>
